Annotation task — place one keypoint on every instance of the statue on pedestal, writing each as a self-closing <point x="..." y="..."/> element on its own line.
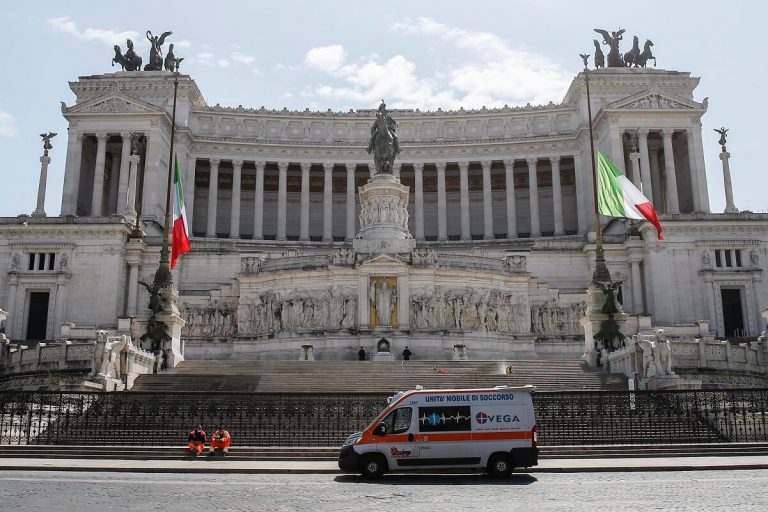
<point x="47" y="141"/>
<point x="723" y="134"/>
<point x="383" y="297"/>
<point x="384" y="143"/>
<point x="155" y="51"/>
<point x="611" y="40"/>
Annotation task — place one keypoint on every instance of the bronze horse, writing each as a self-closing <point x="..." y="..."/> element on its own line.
<point x="128" y="62"/>
<point x="599" y="56"/>
<point x="632" y="56"/>
<point x="646" y="55"/>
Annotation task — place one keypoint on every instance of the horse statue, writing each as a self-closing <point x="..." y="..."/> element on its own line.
<point x="118" y="58"/>
<point x="612" y="41"/>
<point x="630" y="58"/>
<point x="646" y="55"/>
<point x="384" y="150"/>
<point x="599" y="56"/>
<point x="171" y="63"/>
<point x="128" y="62"/>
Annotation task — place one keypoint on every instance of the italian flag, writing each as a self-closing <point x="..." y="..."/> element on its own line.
<point x="618" y="197"/>
<point x="180" y="243"/>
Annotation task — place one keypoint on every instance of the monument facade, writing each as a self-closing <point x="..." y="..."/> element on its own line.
<point x="468" y="228"/>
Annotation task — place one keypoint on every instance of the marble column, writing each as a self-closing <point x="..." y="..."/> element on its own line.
<point x="637" y="287"/>
<point x="122" y="188"/>
<point x="487" y="201"/>
<point x="418" y="200"/>
<point x="258" y="203"/>
<point x="669" y="168"/>
<point x="72" y="173"/>
<point x="234" y="222"/>
<point x="213" y="197"/>
<point x="730" y="207"/>
<point x="304" y="223"/>
<point x="189" y="191"/>
<point x="693" y="171"/>
<point x="509" y="177"/>
<point x="533" y="189"/>
<point x="442" y="218"/>
<point x="328" y="202"/>
<point x="557" y="195"/>
<point x="41" y="185"/>
<point x="583" y="204"/>
<point x="133" y="171"/>
<point x="645" y="164"/>
<point x="700" y="167"/>
<point x="98" y="175"/>
<point x="10" y="304"/>
<point x="282" y="199"/>
<point x="656" y="184"/>
<point x="350" y="200"/>
<point x="133" y="283"/>
<point x="464" y="200"/>
<point x="114" y="185"/>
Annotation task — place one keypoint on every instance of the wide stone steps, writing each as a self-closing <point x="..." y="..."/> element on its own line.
<point x="374" y="377"/>
<point x="331" y="453"/>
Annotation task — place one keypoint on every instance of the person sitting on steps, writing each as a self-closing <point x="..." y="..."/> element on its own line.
<point x="196" y="440"/>
<point x="221" y="440"/>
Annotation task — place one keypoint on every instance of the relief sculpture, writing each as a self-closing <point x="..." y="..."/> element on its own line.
<point x="551" y="318"/>
<point x="465" y="310"/>
<point x="211" y="320"/>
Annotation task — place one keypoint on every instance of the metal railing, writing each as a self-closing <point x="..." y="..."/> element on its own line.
<point x="563" y="418"/>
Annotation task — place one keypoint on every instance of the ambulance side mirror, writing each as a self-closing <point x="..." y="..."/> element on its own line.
<point x="381" y="429"/>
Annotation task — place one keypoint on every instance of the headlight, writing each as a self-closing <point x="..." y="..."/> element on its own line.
<point x="353" y="439"/>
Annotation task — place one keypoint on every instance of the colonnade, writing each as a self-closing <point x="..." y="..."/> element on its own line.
<point x="418" y="196"/>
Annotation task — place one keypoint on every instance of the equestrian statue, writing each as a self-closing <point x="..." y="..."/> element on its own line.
<point x="385" y="144"/>
<point x="646" y="54"/>
<point x="632" y="56"/>
<point x="128" y="62"/>
<point x="612" y="41"/>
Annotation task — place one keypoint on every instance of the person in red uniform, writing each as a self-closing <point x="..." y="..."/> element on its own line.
<point x="221" y="441"/>
<point x="196" y="440"/>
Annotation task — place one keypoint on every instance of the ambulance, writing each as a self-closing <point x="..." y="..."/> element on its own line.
<point x="491" y="429"/>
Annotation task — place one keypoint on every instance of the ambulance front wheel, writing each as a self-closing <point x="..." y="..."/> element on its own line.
<point x="500" y="465"/>
<point x="372" y="466"/>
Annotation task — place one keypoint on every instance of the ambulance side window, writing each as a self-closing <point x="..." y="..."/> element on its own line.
<point x="398" y="421"/>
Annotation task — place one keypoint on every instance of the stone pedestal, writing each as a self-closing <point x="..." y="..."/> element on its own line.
<point x="172" y="349"/>
<point x="306" y="353"/>
<point x="592" y="321"/>
<point x="460" y="353"/>
<point x="383" y="356"/>
<point x="383" y="217"/>
<point x="669" y="382"/>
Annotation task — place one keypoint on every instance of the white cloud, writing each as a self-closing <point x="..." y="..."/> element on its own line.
<point x="184" y="43"/>
<point x="488" y="72"/>
<point x="8" y="125"/>
<point x="242" y="58"/>
<point x="222" y="63"/>
<point x="326" y="57"/>
<point x="65" y="25"/>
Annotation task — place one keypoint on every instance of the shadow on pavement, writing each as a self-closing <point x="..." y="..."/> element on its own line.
<point x="433" y="479"/>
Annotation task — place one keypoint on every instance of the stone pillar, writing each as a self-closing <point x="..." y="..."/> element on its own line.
<point x="634" y="159"/>
<point x="464" y="200"/>
<point x="234" y="220"/>
<point x="133" y="254"/>
<point x="729" y="206"/>
<point x="328" y="202"/>
<point x="617" y="144"/>
<point x="669" y="167"/>
<point x="13" y="285"/>
<point x="533" y="188"/>
<point x="645" y="165"/>
<point x="557" y="195"/>
<point x="350" y="200"/>
<point x="114" y="185"/>
<point x="98" y="175"/>
<point x="637" y="287"/>
<point x="509" y="177"/>
<point x="693" y="172"/>
<point x="125" y="156"/>
<point x="40" y="209"/>
<point x="60" y="304"/>
<point x="581" y="197"/>
<point x="487" y="201"/>
<point x="282" y="199"/>
<point x="442" y="218"/>
<point x="304" y="223"/>
<point x="418" y="202"/>
<point x="700" y="167"/>
<point x="213" y="197"/>
<point x="661" y="202"/>
<point x="72" y="173"/>
<point x="133" y="171"/>
<point x="189" y="191"/>
<point x="258" y="206"/>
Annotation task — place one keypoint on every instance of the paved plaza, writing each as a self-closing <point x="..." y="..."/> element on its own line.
<point x="679" y="491"/>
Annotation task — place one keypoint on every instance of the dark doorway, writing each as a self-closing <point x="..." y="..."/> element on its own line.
<point x="732" y="313"/>
<point x="37" y="321"/>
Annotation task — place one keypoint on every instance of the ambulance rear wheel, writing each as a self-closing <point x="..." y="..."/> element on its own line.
<point x="499" y="465"/>
<point x="372" y="466"/>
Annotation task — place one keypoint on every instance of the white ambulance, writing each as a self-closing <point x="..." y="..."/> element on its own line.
<point x="493" y="429"/>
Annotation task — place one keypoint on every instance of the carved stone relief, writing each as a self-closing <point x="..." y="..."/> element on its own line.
<point x="554" y="318"/>
<point x="485" y="311"/>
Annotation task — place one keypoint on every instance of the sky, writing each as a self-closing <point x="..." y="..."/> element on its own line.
<point x="342" y="55"/>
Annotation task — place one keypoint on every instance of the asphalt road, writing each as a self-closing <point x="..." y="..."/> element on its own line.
<point x="742" y="490"/>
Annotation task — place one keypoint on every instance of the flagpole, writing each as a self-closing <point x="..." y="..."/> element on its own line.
<point x="163" y="276"/>
<point x="601" y="273"/>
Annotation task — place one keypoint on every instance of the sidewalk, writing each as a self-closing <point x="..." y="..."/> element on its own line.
<point x="205" y="465"/>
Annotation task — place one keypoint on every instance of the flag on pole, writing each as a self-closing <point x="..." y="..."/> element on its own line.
<point x="618" y="197"/>
<point x="180" y="243"/>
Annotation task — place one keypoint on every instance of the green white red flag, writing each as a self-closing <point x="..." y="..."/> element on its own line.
<point x="180" y="241"/>
<point x="618" y="197"/>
